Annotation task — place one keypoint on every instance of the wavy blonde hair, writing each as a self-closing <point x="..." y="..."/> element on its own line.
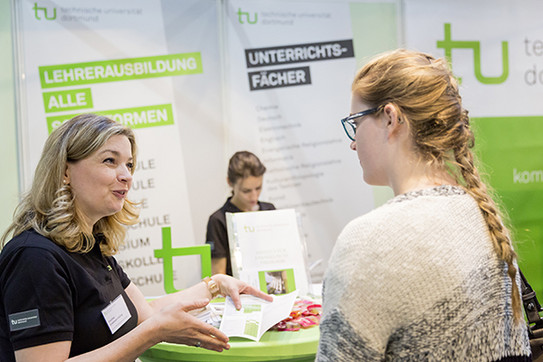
<point x="49" y="206"/>
<point x="425" y="92"/>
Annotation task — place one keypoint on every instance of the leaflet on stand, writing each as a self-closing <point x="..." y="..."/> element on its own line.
<point x="267" y="251"/>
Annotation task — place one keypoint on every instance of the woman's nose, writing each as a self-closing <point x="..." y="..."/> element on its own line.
<point x="125" y="174"/>
<point x="353" y="145"/>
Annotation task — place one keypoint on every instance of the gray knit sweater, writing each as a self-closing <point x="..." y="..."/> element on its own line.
<point x="417" y="279"/>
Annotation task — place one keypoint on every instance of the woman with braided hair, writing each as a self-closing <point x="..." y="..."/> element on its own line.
<point x="431" y="275"/>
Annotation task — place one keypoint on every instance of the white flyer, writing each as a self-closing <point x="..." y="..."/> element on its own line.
<point x="256" y="315"/>
<point x="268" y="251"/>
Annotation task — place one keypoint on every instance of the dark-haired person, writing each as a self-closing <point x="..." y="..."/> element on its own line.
<point x="245" y="177"/>
<point x="62" y="294"/>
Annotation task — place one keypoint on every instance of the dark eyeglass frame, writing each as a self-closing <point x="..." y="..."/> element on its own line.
<point x="349" y="120"/>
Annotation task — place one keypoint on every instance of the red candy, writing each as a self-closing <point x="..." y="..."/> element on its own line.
<point x="305" y="314"/>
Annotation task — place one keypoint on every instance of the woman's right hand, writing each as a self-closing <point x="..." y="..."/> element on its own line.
<point x="176" y="325"/>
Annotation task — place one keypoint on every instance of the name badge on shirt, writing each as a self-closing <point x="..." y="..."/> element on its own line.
<point x="116" y="314"/>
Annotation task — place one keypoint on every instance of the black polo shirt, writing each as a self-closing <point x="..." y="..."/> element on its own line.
<point x="56" y="295"/>
<point x="217" y="235"/>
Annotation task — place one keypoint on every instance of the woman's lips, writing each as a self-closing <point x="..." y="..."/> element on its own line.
<point x="121" y="194"/>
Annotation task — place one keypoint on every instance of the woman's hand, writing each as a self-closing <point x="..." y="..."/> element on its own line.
<point x="176" y="325"/>
<point x="233" y="288"/>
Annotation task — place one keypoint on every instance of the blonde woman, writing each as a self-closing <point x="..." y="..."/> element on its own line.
<point x="431" y="275"/>
<point x="62" y="294"/>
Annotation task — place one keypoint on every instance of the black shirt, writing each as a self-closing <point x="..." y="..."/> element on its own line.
<point x="217" y="236"/>
<point x="65" y="291"/>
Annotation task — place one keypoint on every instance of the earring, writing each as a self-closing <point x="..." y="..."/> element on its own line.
<point x="65" y="182"/>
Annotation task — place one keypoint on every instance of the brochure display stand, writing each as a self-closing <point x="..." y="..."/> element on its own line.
<point x="267" y="251"/>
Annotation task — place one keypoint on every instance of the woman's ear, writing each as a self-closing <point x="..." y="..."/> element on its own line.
<point x="229" y="182"/>
<point x="66" y="178"/>
<point x="392" y="115"/>
<point x="393" y="118"/>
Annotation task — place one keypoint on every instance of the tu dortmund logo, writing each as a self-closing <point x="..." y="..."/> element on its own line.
<point x="44" y="11"/>
<point x="448" y="45"/>
<point x="244" y="17"/>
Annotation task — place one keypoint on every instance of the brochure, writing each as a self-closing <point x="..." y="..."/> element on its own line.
<point x="267" y="251"/>
<point x="256" y="315"/>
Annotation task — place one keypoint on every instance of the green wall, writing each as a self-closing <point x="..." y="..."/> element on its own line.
<point x="8" y="136"/>
<point x="509" y="148"/>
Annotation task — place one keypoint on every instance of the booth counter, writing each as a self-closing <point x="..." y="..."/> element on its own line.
<point x="273" y="346"/>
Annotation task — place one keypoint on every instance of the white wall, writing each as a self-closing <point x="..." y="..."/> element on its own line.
<point x="8" y="144"/>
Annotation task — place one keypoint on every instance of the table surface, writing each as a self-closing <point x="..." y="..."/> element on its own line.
<point x="273" y="346"/>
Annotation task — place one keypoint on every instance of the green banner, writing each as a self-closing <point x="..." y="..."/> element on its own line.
<point x="139" y="117"/>
<point x="64" y="75"/>
<point x="68" y="100"/>
<point x="511" y="149"/>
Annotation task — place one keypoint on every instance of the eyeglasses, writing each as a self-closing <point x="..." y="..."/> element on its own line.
<point x="350" y="126"/>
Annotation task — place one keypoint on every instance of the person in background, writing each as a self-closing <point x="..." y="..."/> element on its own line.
<point x="245" y="177"/>
<point x="62" y="294"/>
<point x="431" y="275"/>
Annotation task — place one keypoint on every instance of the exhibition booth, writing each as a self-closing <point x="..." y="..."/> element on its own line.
<point x="198" y="80"/>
